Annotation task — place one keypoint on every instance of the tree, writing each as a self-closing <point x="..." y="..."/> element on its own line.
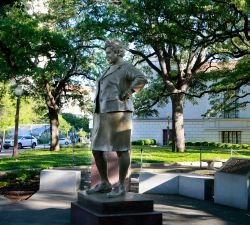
<point x="76" y="122"/>
<point x="64" y="125"/>
<point x="182" y="36"/>
<point x="28" y="113"/>
<point x="39" y="55"/>
<point x="7" y="110"/>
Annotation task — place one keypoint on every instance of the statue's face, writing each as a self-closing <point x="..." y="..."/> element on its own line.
<point x="111" y="56"/>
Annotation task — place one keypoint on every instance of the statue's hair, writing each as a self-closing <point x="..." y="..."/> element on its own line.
<point x="116" y="46"/>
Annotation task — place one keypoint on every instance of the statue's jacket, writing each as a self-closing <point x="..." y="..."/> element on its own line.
<point x="112" y="85"/>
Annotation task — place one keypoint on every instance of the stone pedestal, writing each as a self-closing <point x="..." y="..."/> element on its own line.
<point x="97" y="209"/>
<point x="113" y="171"/>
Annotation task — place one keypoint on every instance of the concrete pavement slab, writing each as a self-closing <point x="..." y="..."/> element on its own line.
<point x="54" y="208"/>
<point x="180" y="210"/>
<point x="41" y="209"/>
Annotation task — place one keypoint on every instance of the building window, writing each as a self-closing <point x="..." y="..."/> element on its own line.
<point x="231" y="107"/>
<point x="231" y="137"/>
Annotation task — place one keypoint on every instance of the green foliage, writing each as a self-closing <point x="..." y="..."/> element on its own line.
<point x="144" y="142"/>
<point x="43" y="140"/>
<point x="152" y="96"/>
<point x="7" y="108"/>
<point x="245" y="146"/>
<point x="27" y="114"/>
<point x="21" y="176"/>
<point x="29" y="40"/>
<point x="138" y="142"/>
<point x="182" y="37"/>
<point x="64" y="125"/>
<point x="3" y="184"/>
<point x="76" y="122"/>
<point x="218" y="144"/>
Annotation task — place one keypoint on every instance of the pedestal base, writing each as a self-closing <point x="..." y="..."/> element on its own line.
<point x="97" y="209"/>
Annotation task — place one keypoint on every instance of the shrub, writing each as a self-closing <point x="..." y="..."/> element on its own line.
<point x="3" y="184"/>
<point x="148" y="142"/>
<point x="154" y="141"/>
<point x="236" y="146"/>
<point x="198" y="143"/>
<point x="204" y="143"/>
<point x="228" y="145"/>
<point x="22" y="175"/>
<point x="138" y="142"/>
<point x="144" y="142"/>
<point x="245" y="146"/>
<point x="189" y="143"/>
<point x="213" y="144"/>
<point x="221" y="145"/>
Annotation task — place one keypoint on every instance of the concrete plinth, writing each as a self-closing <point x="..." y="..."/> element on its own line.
<point x="60" y="180"/>
<point x="196" y="187"/>
<point x="97" y="209"/>
<point x="155" y="183"/>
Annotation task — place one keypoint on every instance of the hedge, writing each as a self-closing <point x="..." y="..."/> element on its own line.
<point x="144" y="142"/>
<point x="218" y="144"/>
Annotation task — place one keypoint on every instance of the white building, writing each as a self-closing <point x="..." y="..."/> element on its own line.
<point x="235" y="129"/>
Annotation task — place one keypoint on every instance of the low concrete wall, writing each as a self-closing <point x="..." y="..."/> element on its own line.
<point x="155" y="183"/>
<point x="60" y="180"/>
<point x="199" y="187"/>
<point x="232" y="190"/>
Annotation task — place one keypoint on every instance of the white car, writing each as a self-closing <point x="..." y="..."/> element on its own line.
<point x="23" y="141"/>
<point x="64" y="141"/>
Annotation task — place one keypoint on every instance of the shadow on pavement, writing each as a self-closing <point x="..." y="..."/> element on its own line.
<point x="182" y="210"/>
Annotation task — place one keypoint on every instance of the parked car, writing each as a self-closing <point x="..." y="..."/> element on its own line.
<point x="64" y="141"/>
<point x="23" y="141"/>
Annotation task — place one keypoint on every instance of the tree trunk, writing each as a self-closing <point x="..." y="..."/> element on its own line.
<point x="54" y="130"/>
<point x="178" y="123"/>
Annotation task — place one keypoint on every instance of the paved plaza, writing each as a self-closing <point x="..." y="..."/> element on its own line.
<point x="54" y="208"/>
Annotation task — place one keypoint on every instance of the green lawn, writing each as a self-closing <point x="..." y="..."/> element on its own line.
<point x="192" y="154"/>
<point x="43" y="159"/>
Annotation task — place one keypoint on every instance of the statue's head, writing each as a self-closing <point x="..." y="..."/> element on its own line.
<point x="116" y="46"/>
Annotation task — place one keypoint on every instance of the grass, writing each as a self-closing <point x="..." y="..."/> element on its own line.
<point x="44" y="159"/>
<point x="192" y="154"/>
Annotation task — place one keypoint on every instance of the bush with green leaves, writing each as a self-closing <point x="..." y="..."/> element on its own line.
<point x="245" y="146"/>
<point x="144" y="142"/>
<point x="22" y="175"/>
<point x="138" y="142"/>
<point x="218" y="144"/>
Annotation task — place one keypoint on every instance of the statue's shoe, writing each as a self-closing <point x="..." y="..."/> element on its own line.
<point x="117" y="191"/>
<point x="100" y="188"/>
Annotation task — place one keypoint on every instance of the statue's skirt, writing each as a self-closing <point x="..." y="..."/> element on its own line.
<point x="112" y="131"/>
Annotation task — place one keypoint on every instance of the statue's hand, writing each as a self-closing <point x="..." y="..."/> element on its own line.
<point x="126" y="95"/>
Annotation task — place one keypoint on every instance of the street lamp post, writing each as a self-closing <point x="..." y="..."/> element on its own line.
<point x="18" y="92"/>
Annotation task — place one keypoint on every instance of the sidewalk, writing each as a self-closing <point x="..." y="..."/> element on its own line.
<point x="41" y="209"/>
<point x="54" y="208"/>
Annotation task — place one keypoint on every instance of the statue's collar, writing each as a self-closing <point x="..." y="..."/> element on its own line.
<point x="114" y="68"/>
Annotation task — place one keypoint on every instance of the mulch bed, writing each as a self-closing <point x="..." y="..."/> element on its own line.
<point x="19" y="192"/>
